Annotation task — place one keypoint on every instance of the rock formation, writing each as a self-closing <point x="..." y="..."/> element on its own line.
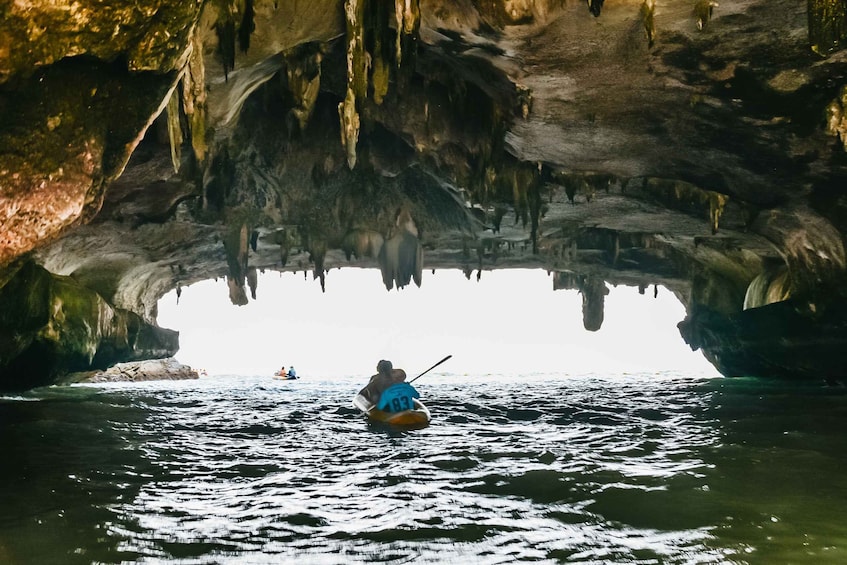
<point x="150" y="144"/>
<point x="50" y="325"/>
<point x="151" y="370"/>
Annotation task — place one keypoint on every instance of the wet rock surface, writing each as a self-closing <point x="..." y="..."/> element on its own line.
<point x="688" y="144"/>
<point x="50" y="325"/>
<point x="138" y="371"/>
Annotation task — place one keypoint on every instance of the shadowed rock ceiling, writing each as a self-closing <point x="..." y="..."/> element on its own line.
<point x="150" y="144"/>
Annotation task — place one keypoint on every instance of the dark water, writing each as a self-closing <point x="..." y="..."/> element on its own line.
<point x="628" y="469"/>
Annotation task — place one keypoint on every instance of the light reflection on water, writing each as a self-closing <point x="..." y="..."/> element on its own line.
<point x="590" y="469"/>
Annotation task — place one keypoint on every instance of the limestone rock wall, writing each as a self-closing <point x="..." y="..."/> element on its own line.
<point x="50" y="325"/>
<point x="79" y="84"/>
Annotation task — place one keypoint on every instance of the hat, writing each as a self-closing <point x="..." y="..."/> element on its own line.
<point x="384" y="366"/>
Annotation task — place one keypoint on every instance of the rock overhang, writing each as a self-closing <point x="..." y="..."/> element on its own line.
<point x="638" y="141"/>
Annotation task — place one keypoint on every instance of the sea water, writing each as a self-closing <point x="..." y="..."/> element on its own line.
<point x="554" y="468"/>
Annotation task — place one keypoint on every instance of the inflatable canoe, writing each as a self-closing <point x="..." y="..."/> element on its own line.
<point x="416" y="418"/>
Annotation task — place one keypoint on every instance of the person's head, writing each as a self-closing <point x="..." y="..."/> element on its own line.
<point x="384" y="367"/>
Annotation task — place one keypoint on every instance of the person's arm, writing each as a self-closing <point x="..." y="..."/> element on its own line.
<point x="368" y="390"/>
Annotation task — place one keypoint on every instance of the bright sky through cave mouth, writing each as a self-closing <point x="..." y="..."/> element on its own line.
<point x="511" y="322"/>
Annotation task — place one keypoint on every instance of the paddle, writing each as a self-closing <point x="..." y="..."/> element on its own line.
<point x="430" y="369"/>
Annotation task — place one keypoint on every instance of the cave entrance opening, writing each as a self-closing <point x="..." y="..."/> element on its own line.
<point x="509" y="322"/>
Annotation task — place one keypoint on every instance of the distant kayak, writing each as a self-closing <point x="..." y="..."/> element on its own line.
<point x="416" y="418"/>
<point x="282" y="377"/>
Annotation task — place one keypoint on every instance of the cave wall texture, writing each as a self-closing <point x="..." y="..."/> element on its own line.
<point x="147" y="145"/>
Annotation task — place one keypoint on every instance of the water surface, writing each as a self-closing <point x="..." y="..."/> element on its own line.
<point x="640" y="468"/>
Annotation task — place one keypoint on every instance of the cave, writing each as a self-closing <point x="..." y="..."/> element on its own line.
<point x="146" y="146"/>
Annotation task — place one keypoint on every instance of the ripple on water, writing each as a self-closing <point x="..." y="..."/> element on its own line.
<point x="234" y="470"/>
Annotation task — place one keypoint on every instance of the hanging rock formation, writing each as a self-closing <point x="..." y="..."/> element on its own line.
<point x="151" y="144"/>
<point x="401" y="255"/>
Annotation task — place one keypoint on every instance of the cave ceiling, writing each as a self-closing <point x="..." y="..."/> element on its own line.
<point x="151" y="144"/>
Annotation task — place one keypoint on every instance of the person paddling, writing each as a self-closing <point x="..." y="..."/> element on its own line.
<point x="386" y="376"/>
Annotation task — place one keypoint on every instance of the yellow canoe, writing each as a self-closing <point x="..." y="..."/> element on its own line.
<point x="416" y="418"/>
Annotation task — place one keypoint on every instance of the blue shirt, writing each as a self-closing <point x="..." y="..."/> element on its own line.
<point x="397" y="398"/>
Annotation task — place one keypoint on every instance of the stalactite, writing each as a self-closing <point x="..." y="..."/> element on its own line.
<point x="247" y="26"/>
<point x="682" y="196"/>
<point x="717" y="202"/>
<point x="283" y="254"/>
<point x="381" y="75"/>
<point x="235" y="23"/>
<point x="361" y="243"/>
<point x="570" y="190"/>
<point x="523" y="180"/>
<point x="194" y="99"/>
<point x="398" y="22"/>
<point x="594" y="6"/>
<point x="499" y="212"/>
<point x="303" y="73"/>
<point x="225" y="30"/>
<point x="174" y="129"/>
<point x="411" y="17"/>
<point x="317" y="255"/>
<point x="357" y="63"/>
<point x="236" y="245"/>
<point x="827" y="25"/>
<point x="594" y="291"/>
<point x="401" y="260"/>
<point x="524" y="99"/>
<point x="703" y="12"/>
<point x="648" y="9"/>
<point x="589" y="190"/>
<point x="242" y="247"/>
<point x="252" y="281"/>
<point x="357" y="74"/>
<point x="381" y="56"/>
<point x="237" y="296"/>
<point x="401" y="256"/>
<point x="518" y="198"/>
<point x="407" y="19"/>
<point x="349" y="126"/>
<point x="535" y="208"/>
